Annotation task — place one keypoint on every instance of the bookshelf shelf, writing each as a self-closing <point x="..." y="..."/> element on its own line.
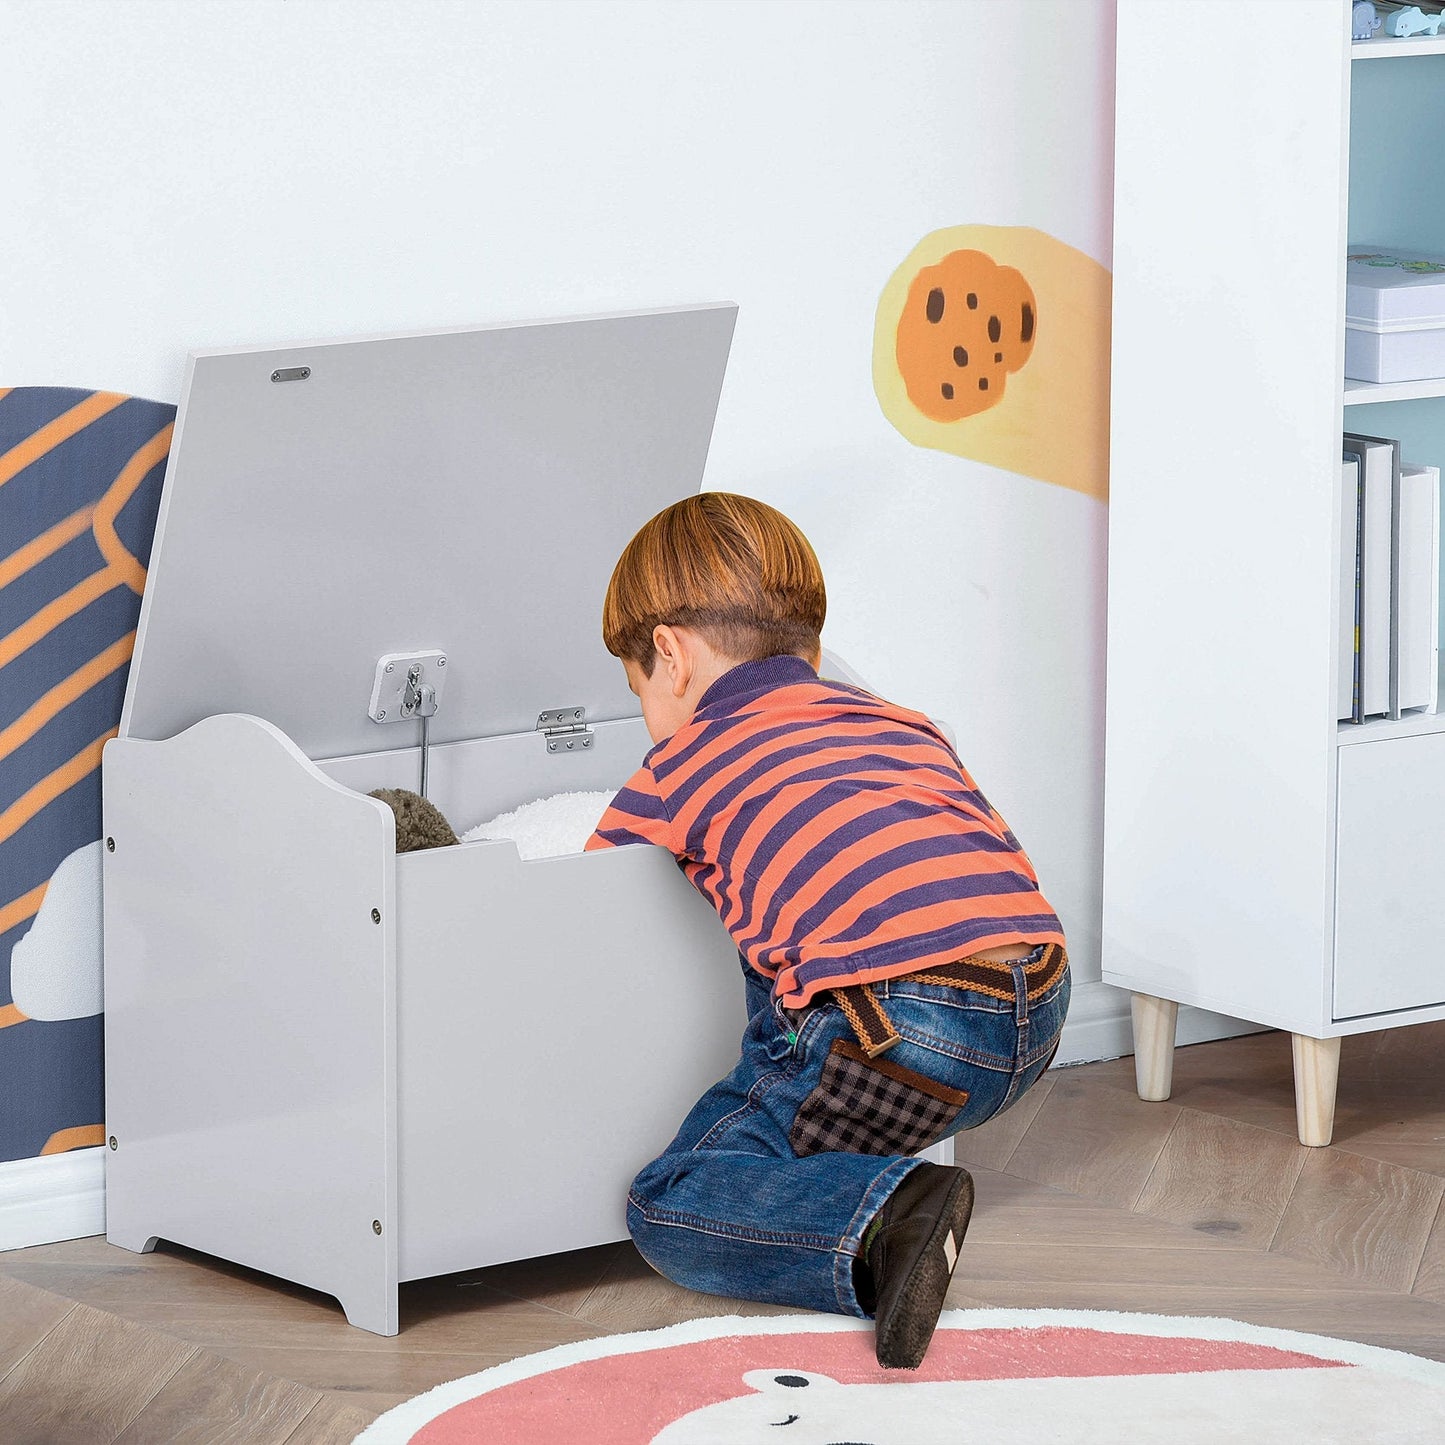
<point x="1253" y="847"/>
<point x="1362" y="393"/>
<point x="1378" y="729"/>
<point x="1386" y="47"/>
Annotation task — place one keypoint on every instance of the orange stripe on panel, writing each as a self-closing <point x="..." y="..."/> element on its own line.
<point x="126" y="567"/>
<point x="5" y="391"/>
<point x="28" y="804"/>
<point x="54" y="613"/>
<point x="64" y="693"/>
<point x="26" y="906"/>
<point x="45" y="545"/>
<point x="10" y="1016"/>
<point x="83" y="1136"/>
<point x="50" y="436"/>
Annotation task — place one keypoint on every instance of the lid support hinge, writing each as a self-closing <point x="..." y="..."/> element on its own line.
<point x="420" y="700"/>
<point x="565" y="729"/>
<point x="409" y="685"/>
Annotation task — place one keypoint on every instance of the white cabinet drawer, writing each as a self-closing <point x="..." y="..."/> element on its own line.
<point x="1390" y="877"/>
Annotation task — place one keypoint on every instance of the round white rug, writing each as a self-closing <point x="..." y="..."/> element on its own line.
<point x="1082" y="1377"/>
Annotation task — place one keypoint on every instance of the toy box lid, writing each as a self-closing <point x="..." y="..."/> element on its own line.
<point x="1390" y="288"/>
<point x="466" y="491"/>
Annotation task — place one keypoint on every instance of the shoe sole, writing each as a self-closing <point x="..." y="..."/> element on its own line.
<point x="902" y="1339"/>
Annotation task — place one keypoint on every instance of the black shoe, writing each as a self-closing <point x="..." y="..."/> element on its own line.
<point x="911" y="1259"/>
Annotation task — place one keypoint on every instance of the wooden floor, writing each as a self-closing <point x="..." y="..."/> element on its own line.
<point x="1088" y="1199"/>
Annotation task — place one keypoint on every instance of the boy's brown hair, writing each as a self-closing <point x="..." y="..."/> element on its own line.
<point x="732" y="568"/>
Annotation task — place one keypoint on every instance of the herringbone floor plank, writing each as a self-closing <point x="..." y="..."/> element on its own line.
<point x="1087" y="1199"/>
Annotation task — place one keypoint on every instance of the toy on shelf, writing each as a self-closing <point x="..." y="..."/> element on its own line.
<point x="1412" y="20"/>
<point x="1364" y="20"/>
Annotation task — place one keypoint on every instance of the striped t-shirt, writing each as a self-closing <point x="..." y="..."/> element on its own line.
<point x="838" y="836"/>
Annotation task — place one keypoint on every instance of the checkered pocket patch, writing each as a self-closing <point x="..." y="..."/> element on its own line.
<point x="872" y="1106"/>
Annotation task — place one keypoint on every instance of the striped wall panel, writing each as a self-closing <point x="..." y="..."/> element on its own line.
<point x="80" y="483"/>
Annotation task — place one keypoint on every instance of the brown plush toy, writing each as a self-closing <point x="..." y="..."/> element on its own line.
<point x="419" y="823"/>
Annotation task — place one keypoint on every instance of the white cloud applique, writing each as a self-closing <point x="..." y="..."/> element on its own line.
<point x="55" y="969"/>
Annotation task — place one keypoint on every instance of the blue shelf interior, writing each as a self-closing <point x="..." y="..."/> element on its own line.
<point x="1397" y="199"/>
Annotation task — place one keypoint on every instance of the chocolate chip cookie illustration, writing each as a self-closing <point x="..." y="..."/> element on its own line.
<point x="992" y="342"/>
<point x="966" y="325"/>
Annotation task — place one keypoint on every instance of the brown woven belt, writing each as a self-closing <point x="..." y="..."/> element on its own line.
<point x="865" y="1012"/>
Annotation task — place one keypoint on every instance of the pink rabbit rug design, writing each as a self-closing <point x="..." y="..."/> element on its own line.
<point x="1080" y="1377"/>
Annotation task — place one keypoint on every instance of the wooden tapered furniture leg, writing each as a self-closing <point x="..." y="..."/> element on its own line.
<point x="1316" y="1075"/>
<point x="1154" y="1020"/>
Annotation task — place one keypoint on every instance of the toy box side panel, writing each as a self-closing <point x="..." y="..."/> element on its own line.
<point x="249" y="989"/>
<point x="556" y="1020"/>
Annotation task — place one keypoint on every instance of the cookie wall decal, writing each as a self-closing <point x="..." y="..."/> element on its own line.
<point x="992" y="342"/>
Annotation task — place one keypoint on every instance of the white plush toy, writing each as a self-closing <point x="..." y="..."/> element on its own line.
<point x="549" y="827"/>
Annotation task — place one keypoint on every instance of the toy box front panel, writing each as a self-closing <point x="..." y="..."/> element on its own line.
<point x="556" y="1019"/>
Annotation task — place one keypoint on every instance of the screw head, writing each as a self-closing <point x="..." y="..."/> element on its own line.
<point x="376" y="915"/>
<point x="113" y="1144"/>
<point x="110" y="845"/>
<point x="376" y="1226"/>
<point x="391" y="667"/>
<point x="381" y="716"/>
<point x="441" y="662"/>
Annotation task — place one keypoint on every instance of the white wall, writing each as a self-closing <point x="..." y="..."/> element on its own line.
<point x="193" y="173"/>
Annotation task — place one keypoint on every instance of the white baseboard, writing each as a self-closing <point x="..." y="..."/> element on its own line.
<point x="1099" y="1026"/>
<point x="60" y="1196"/>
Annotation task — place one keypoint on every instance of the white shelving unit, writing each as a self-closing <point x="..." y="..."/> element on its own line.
<point x="1260" y="859"/>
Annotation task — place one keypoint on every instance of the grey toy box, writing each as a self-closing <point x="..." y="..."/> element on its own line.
<point x="325" y="1060"/>
<point x="1394" y="314"/>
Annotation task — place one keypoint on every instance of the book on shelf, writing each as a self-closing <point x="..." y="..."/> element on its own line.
<point x="1389" y="578"/>
<point x="1418" y="629"/>
<point x="1349" y="681"/>
<point x="1379" y="461"/>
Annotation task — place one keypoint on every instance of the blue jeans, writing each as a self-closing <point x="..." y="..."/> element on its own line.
<point x="731" y="1209"/>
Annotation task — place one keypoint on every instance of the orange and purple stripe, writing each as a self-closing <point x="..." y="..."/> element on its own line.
<point x="838" y="836"/>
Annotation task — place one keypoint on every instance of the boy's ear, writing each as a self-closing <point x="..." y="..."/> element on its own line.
<point x="676" y="655"/>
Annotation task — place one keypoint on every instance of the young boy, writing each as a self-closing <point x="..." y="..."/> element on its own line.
<point x="905" y="978"/>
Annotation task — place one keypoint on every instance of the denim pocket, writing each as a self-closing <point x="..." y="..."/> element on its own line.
<point x="872" y="1106"/>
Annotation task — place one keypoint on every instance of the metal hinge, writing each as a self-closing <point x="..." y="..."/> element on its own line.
<point x="565" y="729"/>
<point x="408" y="685"/>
